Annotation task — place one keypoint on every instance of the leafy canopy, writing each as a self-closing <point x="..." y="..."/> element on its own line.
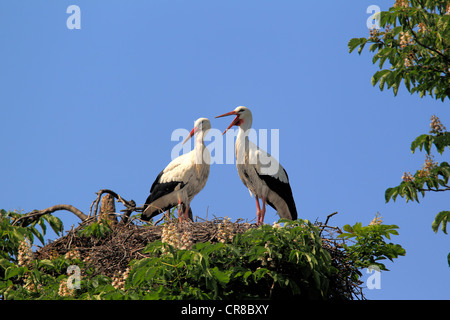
<point x="263" y="263"/>
<point x="414" y="37"/>
<point x="432" y="177"/>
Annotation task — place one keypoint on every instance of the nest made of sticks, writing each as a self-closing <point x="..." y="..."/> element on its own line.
<point x="112" y="253"/>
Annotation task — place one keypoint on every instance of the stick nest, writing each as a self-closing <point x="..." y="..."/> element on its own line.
<point x="112" y="253"/>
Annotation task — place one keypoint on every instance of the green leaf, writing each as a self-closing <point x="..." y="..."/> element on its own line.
<point x="441" y="219"/>
<point x="441" y="141"/>
<point x="37" y="234"/>
<point x="14" y="271"/>
<point x="361" y="46"/>
<point x="221" y="276"/>
<point x="260" y="273"/>
<point x="378" y="75"/>
<point x="353" y="43"/>
<point x="42" y="225"/>
<point x="316" y="276"/>
<point x="246" y="275"/>
<point x="46" y="263"/>
<point x="348" y="228"/>
<point x="55" y="223"/>
<point x="422" y="141"/>
<point x="391" y="193"/>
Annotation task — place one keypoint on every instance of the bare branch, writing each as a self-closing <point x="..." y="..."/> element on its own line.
<point x="329" y="216"/>
<point x="323" y="226"/>
<point x="130" y="205"/>
<point x="36" y="214"/>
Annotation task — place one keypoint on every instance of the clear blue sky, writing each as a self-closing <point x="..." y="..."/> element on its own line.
<point x="95" y="108"/>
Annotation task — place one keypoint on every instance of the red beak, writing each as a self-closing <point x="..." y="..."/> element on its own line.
<point x="193" y="131"/>
<point x="236" y="121"/>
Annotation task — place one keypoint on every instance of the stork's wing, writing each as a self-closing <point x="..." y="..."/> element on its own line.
<point x="177" y="169"/>
<point x="172" y="177"/>
<point x="276" y="178"/>
<point x="160" y="189"/>
<point x="266" y="164"/>
<point x="284" y="190"/>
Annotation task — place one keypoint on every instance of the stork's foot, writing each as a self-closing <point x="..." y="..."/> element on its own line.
<point x="181" y="218"/>
<point x="260" y="213"/>
<point x="260" y="217"/>
<point x="184" y="216"/>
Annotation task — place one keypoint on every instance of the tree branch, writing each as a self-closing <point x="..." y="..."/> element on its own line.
<point x="36" y="214"/>
<point x="130" y="205"/>
<point x="29" y="218"/>
<point x="323" y="226"/>
<point x="423" y="45"/>
<point x="434" y="190"/>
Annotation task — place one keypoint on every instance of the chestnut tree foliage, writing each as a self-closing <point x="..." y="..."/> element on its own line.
<point x="412" y="46"/>
<point x="414" y="37"/>
<point x="269" y="262"/>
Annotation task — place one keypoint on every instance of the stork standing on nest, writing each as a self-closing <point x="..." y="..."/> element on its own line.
<point x="260" y="172"/>
<point x="182" y="179"/>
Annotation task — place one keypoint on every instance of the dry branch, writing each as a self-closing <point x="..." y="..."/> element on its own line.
<point x="36" y="214"/>
<point x="130" y="205"/>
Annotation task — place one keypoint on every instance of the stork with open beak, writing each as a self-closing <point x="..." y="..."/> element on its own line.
<point x="260" y="172"/>
<point x="183" y="178"/>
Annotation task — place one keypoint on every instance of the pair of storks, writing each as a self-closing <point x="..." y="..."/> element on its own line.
<point x="186" y="175"/>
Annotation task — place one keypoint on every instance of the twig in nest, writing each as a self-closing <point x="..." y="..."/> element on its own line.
<point x="326" y="221"/>
<point x="329" y="216"/>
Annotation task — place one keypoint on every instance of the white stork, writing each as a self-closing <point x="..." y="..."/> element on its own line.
<point x="272" y="186"/>
<point x="183" y="178"/>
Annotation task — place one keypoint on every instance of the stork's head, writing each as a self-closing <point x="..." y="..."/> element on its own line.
<point x="201" y="124"/>
<point x="243" y="115"/>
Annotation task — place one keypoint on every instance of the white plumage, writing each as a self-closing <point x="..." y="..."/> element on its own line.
<point x="183" y="178"/>
<point x="260" y="172"/>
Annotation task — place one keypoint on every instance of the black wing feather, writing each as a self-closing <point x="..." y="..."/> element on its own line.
<point x="283" y="190"/>
<point x="159" y="190"/>
<point x="156" y="181"/>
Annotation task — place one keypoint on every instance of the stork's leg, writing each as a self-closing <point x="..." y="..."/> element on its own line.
<point x="258" y="211"/>
<point x="263" y="211"/>
<point x="179" y="210"/>
<point x="186" y="213"/>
